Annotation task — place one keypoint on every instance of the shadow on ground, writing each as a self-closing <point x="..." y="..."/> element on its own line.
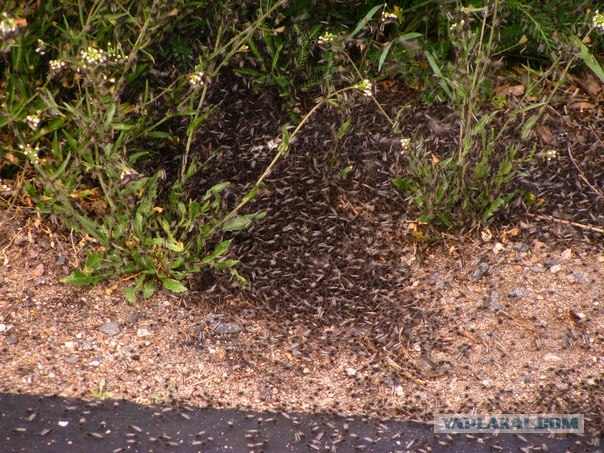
<point x="53" y="424"/>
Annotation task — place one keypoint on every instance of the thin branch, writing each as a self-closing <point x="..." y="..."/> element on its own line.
<point x="567" y="222"/>
<point x="582" y="175"/>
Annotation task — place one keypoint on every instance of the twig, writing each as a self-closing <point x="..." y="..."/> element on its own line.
<point x="567" y="222"/>
<point x="582" y="175"/>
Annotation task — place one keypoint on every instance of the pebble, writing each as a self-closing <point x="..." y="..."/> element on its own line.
<point x="94" y="363"/>
<point x="143" y="332"/>
<point x="518" y="293"/>
<point x="133" y="318"/>
<point x="555" y="268"/>
<point x="538" y="269"/>
<point x="11" y="339"/>
<point x="20" y="240"/>
<point x="351" y="371"/>
<point x="551" y="358"/>
<point x="581" y="278"/>
<point x="110" y="328"/>
<point x="438" y="282"/>
<point x="225" y="327"/>
<point x="495" y="305"/>
<point x="479" y="272"/>
<point x="72" y="359"/>
<point x="61" y="260"/>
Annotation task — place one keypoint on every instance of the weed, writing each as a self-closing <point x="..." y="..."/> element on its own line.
<point x="82" y="111"/>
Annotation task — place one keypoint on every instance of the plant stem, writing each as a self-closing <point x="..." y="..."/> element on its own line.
<point x="280" y="153"/>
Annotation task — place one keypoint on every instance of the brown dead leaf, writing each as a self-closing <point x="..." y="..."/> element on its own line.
<point x="510" y="90"/>
<point x="544" y="133"/>
<point x="590" y="84"/>
<point x="582" y="106"/>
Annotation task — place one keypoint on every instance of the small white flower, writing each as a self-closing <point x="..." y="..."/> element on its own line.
<point x="405" y="143"/>
<point x="41" y="49"/>
<point x="365" y="86"/>
<point x="598" y="21"/>
<point x="56" y="65"/>
<point x="324" y="39"/>
<point x="388" y="17"/>
<point x="4" y="187"/>
<point x="196" y="79"/>
<point x="31" y="153"/>
<point x="8" y="25"/>
<point x="551" y="154"/>
<point x="33" y="121"/>
<point x="93" y="56"/>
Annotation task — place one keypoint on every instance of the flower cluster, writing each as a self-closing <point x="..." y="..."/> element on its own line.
<point x="405" y="143"/>
<point x="33" y="121"/>
<point x="31" y="153"/>
<point x="388" y="17"/>
<point x="196" y="79"/>
<point x="8" y="25"/>
<point x="598" y="21"/>
<point x="365" y="87"/>
<point x="457" y="25"/>
<point x="324" y="39"/>
<point x="551" y="154"/>
<point x="4" y="187"/>
<point x="41" y="48"/>
<point x="56" y="65"/>
<point x="94" y="57"/>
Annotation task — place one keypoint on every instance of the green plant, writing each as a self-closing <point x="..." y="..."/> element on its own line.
<point x="473" y="182"/>
<point x="82" y="116"/>
<point x="101" y="392"/>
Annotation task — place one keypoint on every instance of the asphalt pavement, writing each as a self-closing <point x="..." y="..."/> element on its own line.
<point x="30" y="423"/>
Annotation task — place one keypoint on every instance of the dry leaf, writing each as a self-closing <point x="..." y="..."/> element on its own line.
<point x="545" y="134"/>
<point x="582" y="106"/>
<point x="510" y="90"/>
<point x="590" y="85"/>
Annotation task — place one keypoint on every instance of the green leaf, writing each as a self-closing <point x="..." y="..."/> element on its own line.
<point x="173" y="285"/>
<point x="591" y="61"/>
<point x="494" y="206"/>
<point x="528" y="125"/>
<point x="193" y="210"/>
<point x="403" y="184"/>
<point x="159" y="134"/>
<point x="241" y="222"/>
<point x="384" y="54"/>
<point x="175" y="245"/>
<point x="400" y="39"/>
<point x="443" y="82"/>
<point x="219" y="250"/>
<point x="226" y="264"/>
<point x="78" y="278"/>
<point x="364" y="20"/>
<point x="130" y="294"/>
<point x="110" y="114"/>
<point x="148" y="289"/>
<point x="343" y="128"/>
<point x="92" y="263"/>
